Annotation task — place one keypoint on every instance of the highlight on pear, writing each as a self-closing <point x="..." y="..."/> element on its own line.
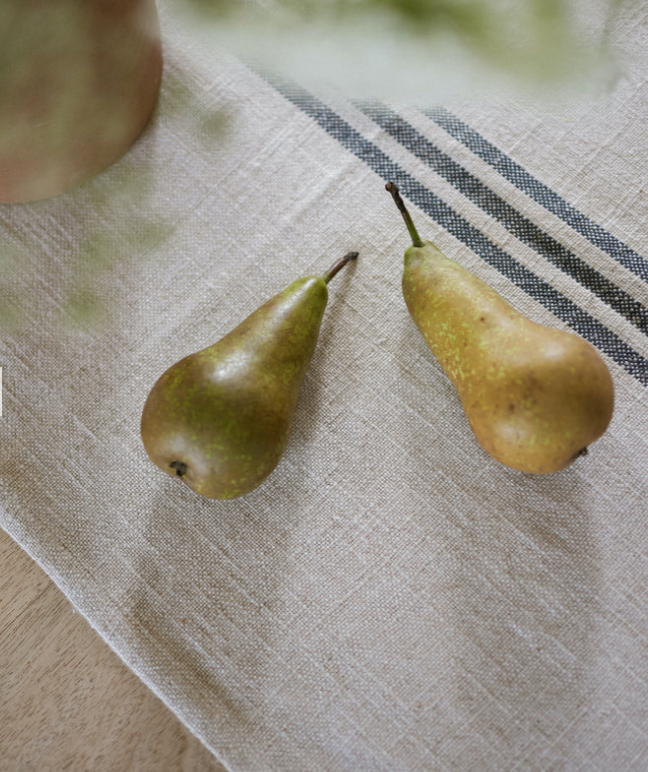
<point x="219" y="419"/>
<point x="536" y="397"/>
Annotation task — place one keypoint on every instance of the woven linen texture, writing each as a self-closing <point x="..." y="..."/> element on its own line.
<point x="391" y="598"/>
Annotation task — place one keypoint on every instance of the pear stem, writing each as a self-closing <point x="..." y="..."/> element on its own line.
<point x="339" y="265"/>
<point x="393" y="189"/>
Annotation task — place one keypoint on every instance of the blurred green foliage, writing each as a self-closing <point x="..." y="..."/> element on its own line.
<point x="528" y="40"/>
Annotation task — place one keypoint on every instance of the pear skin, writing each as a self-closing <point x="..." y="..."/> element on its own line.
<point x="220" y="418"/>
<point x="535" y="396"/>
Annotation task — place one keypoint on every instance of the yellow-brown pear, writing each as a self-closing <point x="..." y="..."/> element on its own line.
<point x="535" y="396"/>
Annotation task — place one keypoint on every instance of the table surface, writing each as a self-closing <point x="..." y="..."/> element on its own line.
<point x="67" y="701"/>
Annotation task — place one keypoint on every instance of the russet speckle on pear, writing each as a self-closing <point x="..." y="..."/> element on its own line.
<point x="220" y="418"/>
<point x="535" y="396"/>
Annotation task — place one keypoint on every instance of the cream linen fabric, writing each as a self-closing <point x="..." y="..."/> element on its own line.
<point x="391" y="599"/>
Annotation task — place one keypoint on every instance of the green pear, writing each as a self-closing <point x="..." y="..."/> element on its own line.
<point x="535" y="396"/>
<point x="220" y="418"/>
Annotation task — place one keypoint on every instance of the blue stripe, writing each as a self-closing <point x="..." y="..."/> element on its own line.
<point x="584" y="324"/>
<point x="539" y="192"/>
<point x="521" y="227"/>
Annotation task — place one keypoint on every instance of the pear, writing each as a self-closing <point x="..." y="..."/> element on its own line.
<point x="220" y="418"/>
<point x="535" y="396"/>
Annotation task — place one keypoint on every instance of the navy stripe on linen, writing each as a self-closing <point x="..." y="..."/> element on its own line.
<point x="518" y="225"/>
<point x="582" y="322"/>
<point x="538" y="191"/>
